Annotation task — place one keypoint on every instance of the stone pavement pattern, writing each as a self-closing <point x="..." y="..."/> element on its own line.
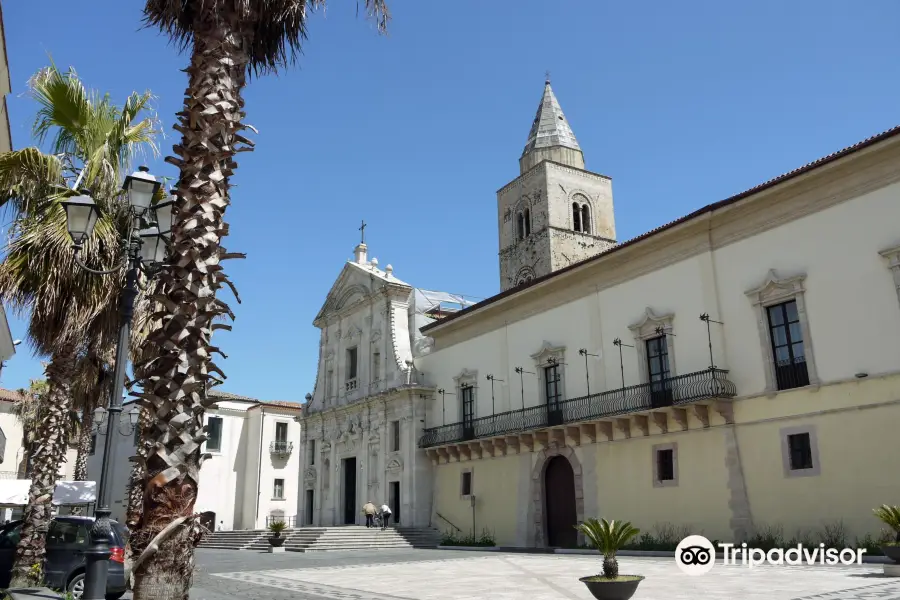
<point x="543" y="577"/>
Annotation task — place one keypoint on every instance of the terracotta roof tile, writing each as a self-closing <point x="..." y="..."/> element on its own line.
<point x="9" y="395"/>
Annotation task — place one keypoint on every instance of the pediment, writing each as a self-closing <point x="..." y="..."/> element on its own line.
<point x="350" y="288"/>
<point x="774" y="288"/>
<point x="395" y="465"/>
<point x="466" y="375"/>
<point x="547" y="350"/>
<point x="650" y="322"/>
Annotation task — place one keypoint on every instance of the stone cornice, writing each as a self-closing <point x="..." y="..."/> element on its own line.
<point x="310" y="419"/>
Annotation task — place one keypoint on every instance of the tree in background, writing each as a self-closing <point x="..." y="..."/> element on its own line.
<point x="91" y="143"/>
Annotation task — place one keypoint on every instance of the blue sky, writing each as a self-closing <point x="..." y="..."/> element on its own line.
<point x="682" y="104"/>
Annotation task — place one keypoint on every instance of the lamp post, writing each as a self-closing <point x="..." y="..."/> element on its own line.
<point x="145" y="250"/>
<point x="587" y="371"/>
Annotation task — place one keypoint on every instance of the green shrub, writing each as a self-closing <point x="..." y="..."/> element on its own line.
<point x="890" y="516"/>
<point x="485" y="540"/>
<point x="277" y="526"/>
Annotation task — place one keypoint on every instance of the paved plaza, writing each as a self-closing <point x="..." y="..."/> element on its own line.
<point x="455" y="575"/>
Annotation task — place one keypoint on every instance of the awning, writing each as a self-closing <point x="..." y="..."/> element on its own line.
<point x="14" y="492"/>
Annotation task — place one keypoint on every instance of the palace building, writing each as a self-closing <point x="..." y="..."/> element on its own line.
<point x="722" y="373"/>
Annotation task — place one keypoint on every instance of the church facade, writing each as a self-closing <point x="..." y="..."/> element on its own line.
<point x="720" y="374"/>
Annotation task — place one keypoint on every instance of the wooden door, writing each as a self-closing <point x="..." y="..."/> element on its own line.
<point x="561" y="516"/>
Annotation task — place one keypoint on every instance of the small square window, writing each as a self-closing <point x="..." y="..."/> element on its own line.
<point x="665" y="465"/>
<point x="800" y="451"/>
<point x="466" y="483"/>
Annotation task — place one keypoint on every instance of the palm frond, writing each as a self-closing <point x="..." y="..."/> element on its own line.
<point x="28" y="178"/>
<point x="274" y="30"/>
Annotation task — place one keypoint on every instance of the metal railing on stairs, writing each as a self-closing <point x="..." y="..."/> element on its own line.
<point x="448" y="521"/>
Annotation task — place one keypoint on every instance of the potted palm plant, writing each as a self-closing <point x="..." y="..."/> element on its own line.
<point x="890" y="516"/>
<point x="275" y="528"/>
<point x="608" y="537"/>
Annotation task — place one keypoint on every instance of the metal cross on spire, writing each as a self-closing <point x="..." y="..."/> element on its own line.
<point x="362" y="229"/>
<point x="547" y="76"/>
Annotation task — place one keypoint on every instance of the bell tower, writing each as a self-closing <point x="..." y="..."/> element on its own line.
<point x="555" y="213"/>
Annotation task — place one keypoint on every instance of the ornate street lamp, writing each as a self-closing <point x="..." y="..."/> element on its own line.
<point x="145" y="251"/>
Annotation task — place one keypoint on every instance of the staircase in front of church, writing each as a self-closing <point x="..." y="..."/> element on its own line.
<point x="327" y="539"/>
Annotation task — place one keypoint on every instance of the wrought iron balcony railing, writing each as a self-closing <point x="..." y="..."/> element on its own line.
<point x="281" y="447"/>
<point x="708" y="384"/>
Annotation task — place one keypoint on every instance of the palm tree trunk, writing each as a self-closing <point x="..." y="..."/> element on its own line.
<point x="174" y="380"/>
<point x="48" y="454"/>
<point x="84" y="445"/>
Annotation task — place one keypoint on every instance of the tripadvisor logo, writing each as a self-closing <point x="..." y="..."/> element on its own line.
<point x="696" y="555"/>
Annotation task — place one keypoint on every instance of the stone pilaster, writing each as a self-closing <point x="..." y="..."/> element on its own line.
<point x="741" y="521"/>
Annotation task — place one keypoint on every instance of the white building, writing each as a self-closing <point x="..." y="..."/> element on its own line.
<point x="250" y="477"/>
<point x="362" y="422"/>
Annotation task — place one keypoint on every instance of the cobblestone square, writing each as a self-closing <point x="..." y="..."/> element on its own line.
<point x="547" y="577"/>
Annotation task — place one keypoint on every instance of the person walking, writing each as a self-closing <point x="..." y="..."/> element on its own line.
<point x="369" y="509"/>
<point x="385" y="516"/>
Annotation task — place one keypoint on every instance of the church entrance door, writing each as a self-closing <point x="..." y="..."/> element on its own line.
<point x="350" y="504"/>
<point x="561" y="515"/>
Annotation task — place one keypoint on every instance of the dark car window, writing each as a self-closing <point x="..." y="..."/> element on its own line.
<point x="9" y="535"/>
<point x="66" y="533"/>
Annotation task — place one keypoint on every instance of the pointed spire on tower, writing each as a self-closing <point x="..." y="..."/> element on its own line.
<point x="551" y="137"/>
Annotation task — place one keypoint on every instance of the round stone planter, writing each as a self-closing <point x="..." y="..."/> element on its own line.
<point x="892" y="552"/>
<point x="276" y="541"/>
<point x="616" y="589"/>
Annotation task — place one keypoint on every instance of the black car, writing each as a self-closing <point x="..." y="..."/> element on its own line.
<point x="67" y="540"/>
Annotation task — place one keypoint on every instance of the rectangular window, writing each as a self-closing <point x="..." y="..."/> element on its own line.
<point x="468" y="404"/>
<point x="466" y="484"/>
<point x="312" y="452"/>
<point x="800" y="451"/>
<point x="658" y="371"/>
<point x="665" y="465"/>
<point x="376" y="366"/>
<point x="281" y="432"/>
<point x="278" y="492"/>
<point x="395" y="436"/>
<point x="551" y="384"/>
<point x="93" y="444"/>
<point x="214" y="434"/>
<point x="351" y="363"/>
<point x="787" y="346"/>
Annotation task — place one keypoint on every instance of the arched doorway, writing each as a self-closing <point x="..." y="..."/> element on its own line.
<point x="561" y="514"/>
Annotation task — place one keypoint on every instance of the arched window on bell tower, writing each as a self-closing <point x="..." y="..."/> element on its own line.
<point x="520" y="226"/>
<point x="585" y="218"/>
<point x="576" y="217"/>
<point x="527" y="216"/>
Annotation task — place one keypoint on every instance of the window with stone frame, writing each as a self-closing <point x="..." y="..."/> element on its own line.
<point x="466" y="483"/>
<point x="351" y="363"/>
<point x="395" y="436"/>
<point x="278" y="490"/>
<point x="527" y="218"/>
<point x="800" y="451"/>
<point x="787" y="345"/>
<point x="784" y="332"/>
<point x="665" y="465"/>
<point x="654" y="343"/>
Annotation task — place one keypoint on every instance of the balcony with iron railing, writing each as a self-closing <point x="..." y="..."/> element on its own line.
<point x="281" y="447"/>
<point x="709" y="384"/>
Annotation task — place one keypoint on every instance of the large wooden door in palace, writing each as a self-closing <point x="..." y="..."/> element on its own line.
<point x="561" y="516"/>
